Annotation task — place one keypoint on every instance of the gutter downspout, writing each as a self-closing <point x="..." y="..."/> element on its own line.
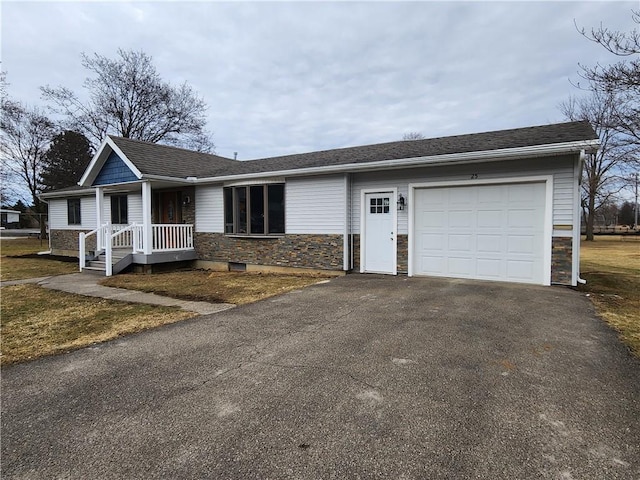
<point x="580" y="280"/>
<point x="351" y="260"/>
<point x="49" y="232"/>
<point x="347" y="225"/>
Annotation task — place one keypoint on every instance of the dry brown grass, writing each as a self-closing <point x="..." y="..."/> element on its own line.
<point x="38" y="322"/>
<point x="216" y="287"/>
<point x="14" y="266"/>
<point x="611" y="266"/>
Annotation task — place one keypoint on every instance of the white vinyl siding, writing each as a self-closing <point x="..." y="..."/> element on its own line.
<point x="209" y="209"/>
<point x="315" y="205"/>
<point x="561" y="168"/>
<point x="58" y="214"/>
<point x="563" y="201"/>
<point x="134" y="204"/>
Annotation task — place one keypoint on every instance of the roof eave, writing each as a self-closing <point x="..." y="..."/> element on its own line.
<point x="446" y="159"/>
<point x="68" y="193"/>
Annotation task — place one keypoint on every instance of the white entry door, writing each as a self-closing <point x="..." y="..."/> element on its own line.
<point x="378" y="250"/>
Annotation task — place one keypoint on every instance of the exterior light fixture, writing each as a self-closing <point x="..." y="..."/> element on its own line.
<point x="402" y="203"/>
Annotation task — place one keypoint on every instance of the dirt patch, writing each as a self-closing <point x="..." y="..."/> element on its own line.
<point x="216" y="287"/>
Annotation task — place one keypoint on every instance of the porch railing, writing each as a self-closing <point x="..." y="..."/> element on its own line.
<point x="165" y="238"/>
<point x="170" y="237"/>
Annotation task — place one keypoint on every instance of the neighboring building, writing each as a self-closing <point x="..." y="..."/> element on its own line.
<point x="9" y="218"/>
<point x="499" y="205"/>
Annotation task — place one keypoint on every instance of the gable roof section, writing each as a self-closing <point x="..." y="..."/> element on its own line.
<point x="165" y="161"/>
<point x="114" y="170"/>
<point x="161" y="161"/>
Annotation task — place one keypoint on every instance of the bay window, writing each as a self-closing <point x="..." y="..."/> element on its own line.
<point x="254" y="209"/>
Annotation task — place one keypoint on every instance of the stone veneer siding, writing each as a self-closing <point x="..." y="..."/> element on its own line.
<point x="302" y="251"/>
<point x="65" y="242"/>
<point x="561" y="260"/>
<point x="402" y="257"/>
<point x="561" y="257"/>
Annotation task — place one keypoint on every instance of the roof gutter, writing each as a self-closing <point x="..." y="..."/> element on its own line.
<point x="188" y="180"/>
<point x="66" y="193"/>
<point x="447" y="159"/>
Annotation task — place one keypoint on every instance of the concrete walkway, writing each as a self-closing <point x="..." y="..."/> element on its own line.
<point x="86" y="283"/>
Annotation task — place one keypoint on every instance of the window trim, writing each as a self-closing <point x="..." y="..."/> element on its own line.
<point x="233" y="199"/>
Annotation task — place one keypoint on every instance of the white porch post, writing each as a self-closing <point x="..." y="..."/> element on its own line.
<point x="147" y="237"/>
<point x="99" y="217"/>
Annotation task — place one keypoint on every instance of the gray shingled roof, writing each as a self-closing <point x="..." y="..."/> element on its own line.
<point x="156" y="159"/>
<point x="164" y="160"/>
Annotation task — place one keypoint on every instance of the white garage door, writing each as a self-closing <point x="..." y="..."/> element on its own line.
<point x="489" y="232"/>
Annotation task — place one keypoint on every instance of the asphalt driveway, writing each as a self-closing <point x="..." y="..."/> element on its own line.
<point x="362" y="377"/>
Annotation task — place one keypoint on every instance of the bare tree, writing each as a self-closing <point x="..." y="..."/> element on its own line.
<point x="25" y="136"/>
<point x="621" y="78"/>
<point x="127" y="97"/>
<point x="413" y="136"/>
<point x="604" y="169"/>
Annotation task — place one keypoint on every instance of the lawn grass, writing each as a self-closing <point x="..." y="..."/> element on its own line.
<point x="15" y="266"/>
<point x="216" y="287"/>
<point x="611" y="266"/>
<point x="38" y="322"/>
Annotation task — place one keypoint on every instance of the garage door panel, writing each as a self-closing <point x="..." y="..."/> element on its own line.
<point x="522" y="193"/>
<point x="489" y="268"/>
<point x="523" y="218"/>
<point x="461" y="218"/>
<point x="490" y="218"/>
<point x="519" y="270"/>
<point x="460" y="243"/>
<point x="490" y="195"/>
<point x="493" y="232"/>
<point x="433" y="219"/>
<point x="433" y="241"/>
<point x="489" y="243"/>
<point x="461" y="266"/>
<point x="457" y="198"/>
<point x="521" y="244"/>
<point x="432" y="265"/>
<point x="435" y="197"/>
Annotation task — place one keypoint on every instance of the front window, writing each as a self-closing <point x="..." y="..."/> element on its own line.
<point x="119" y="210"/>
<point x="73" y="211"/>
<point x="254" y="210"/>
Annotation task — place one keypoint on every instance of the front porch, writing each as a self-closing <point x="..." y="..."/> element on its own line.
<point x="159" y="233"/>
<point x="118" y="246"/>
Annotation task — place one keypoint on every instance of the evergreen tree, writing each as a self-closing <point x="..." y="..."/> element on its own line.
<point x="66" y="160"/>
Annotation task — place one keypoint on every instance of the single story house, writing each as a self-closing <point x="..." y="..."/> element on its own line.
<point x="502" y="205"/>
<point x="9" y="218"/>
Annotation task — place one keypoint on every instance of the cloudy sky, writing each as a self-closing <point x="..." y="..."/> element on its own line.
<point x="291" y="77"/>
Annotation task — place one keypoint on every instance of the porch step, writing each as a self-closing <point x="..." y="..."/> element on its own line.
<point x="97" y="269"/>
